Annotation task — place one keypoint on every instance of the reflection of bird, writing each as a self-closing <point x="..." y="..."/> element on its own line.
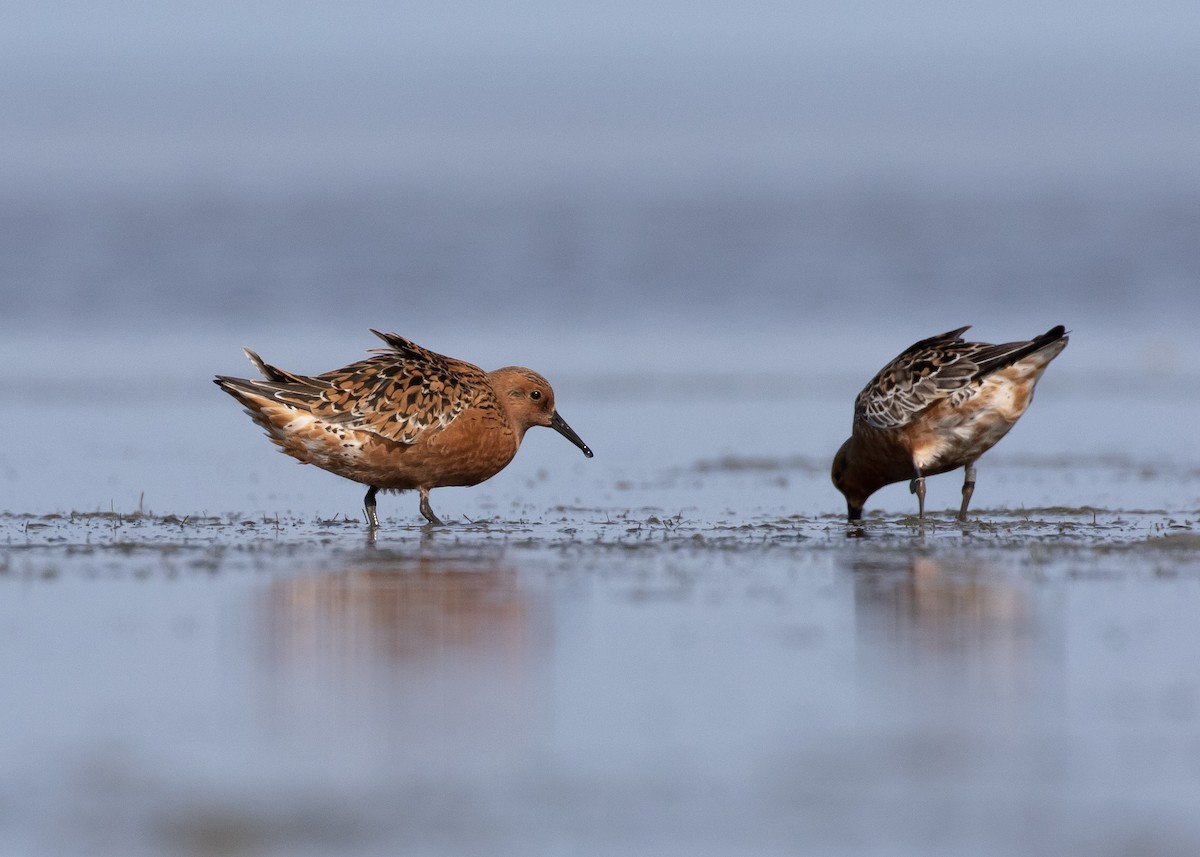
<point x="403" y="418"/>
<point x="940" y="405"/>
<point x="402" y="610"/>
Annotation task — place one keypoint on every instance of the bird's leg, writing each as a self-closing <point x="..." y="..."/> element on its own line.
<point x="428" y="512"/>
<point x="369" y="508"/>
<point x="917" y="486"/>
<point x="968" y="489"/>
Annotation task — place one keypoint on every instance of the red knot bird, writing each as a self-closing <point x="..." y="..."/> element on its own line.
<point x="940" y="405"/>
<point x="403" y="418"/>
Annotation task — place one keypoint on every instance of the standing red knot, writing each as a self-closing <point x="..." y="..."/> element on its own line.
<point x="404" y="418"/>
<point x="940" y="405"/>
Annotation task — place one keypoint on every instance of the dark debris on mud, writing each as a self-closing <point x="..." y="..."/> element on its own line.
<point x="139" y="543"/>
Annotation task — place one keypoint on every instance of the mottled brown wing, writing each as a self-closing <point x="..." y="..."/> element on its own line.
<point x="934" y="369"/>
<point x="401" y="392"/>
<point x="926" y="372"/>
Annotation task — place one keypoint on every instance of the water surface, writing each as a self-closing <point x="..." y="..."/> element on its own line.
<point x="583" y="681"/>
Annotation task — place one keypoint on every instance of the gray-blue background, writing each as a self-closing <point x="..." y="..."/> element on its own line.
<point x="589" y="166"/>
<point x="709" y="225"/>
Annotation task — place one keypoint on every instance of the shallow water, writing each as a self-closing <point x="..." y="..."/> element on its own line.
<point x="591" y="682"/>
<point x="708" y="227"/>
<point x="677" y="647"/>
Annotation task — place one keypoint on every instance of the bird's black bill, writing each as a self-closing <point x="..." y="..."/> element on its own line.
<point x="560" y="425"/>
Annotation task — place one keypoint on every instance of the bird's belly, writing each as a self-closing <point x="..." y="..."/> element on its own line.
<point x="460" y="454"/>
<point x="957" y="431"/>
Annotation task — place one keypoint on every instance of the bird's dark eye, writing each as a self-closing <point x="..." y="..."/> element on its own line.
<point x="535" y="395"/>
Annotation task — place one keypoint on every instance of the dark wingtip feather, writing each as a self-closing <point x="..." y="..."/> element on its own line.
<point x="239" y="388"/>
<point x="393" y="340"/>
<point x="941" y="339"/>
<point x="271" y="373"/>
<point x="258" y="362"/>
<point x="1058" y="333"/>
<point x="997" y="357"/>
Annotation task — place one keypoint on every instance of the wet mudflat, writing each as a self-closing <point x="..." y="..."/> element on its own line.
<point x="602" y="680"/>
<point x="675" y="648"/>
<point x="709" y="235"/>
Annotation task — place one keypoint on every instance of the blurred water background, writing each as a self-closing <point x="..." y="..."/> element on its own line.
<point x="622" y="191"/>
<point x="755" y="203"/>
<point x="708" y="224"/>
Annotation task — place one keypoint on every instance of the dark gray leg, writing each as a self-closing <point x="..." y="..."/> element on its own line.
<point x="428" y="512"/>
<point x="968" y="489"/>
<point x="917" y="486"/>
<point x="369" y="508"/>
